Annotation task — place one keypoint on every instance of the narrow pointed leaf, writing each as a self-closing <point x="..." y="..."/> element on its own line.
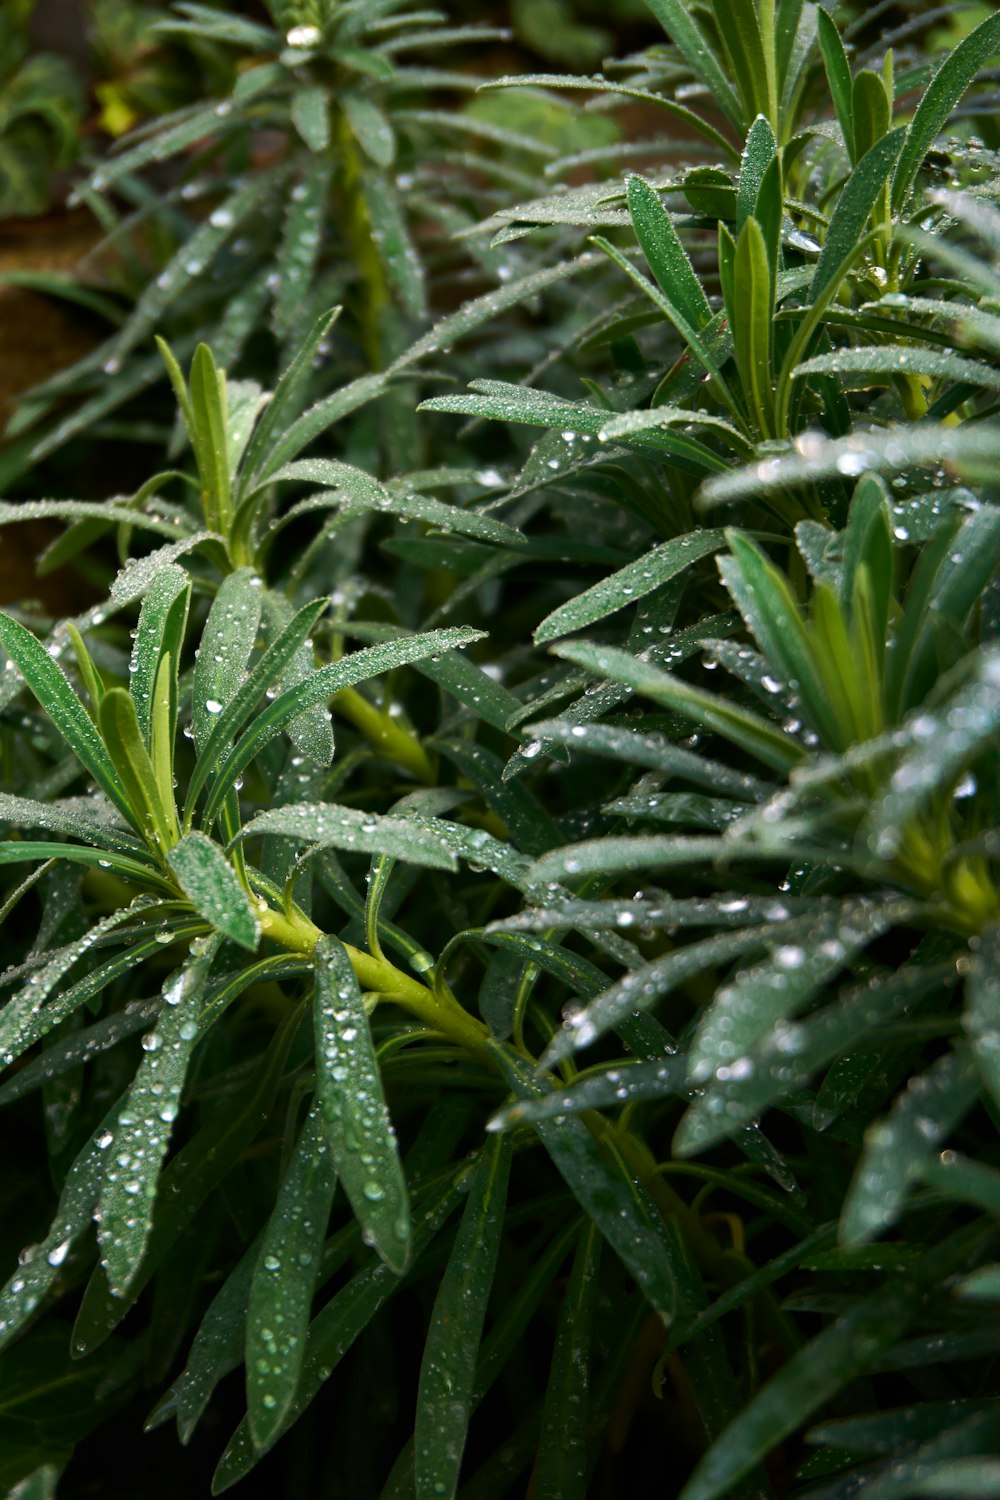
<point x="145" y="1124"/>
<point x="561" y="1472"/>
<point x="39" y="1267"/>
<point x="325" y="825"/>
<point x="448" y="1368"/>
<point x="897" y="1146"/>
<point x="226" y="644"/>
<point x="667" y="258"/>
<point x="619" y="1206"/>
<point x="214" y="890"/>
<point x="349" y="1089"/>
<point x="52" y="689"/>
<point x="160" y="628"/>
<point x="943" y="92"/>
<point x="284" y="1280"/>
<point x="629" y="584"/>
<point x="843" y="1352"/>
<point x="320" y="687"/>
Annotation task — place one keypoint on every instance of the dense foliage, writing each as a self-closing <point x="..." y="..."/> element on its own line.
<point x="502" y="916"/>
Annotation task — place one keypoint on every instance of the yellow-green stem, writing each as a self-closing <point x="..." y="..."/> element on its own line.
<point x="379" y="976"/>
<point x="395" y="740"/>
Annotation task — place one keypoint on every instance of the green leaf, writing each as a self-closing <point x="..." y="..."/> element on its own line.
<point x="845" y="1351"/>
<point x="339" y="1324"/>
<point x="872" y="114"/>
<point x="122" y="735"/>
<point x="897" y="1146"/>
<point x="667" y="258"/>
<point x="758" y="154"/>
<point x="944" y="91"/>
<point x="39" y="1266"/>
<point x="210" y="435"/>
<point x="51" y="687"/>
<point x="319" y="687"/>
<point x="782" y="1062"/>
<point x="838" y="75"/>
<point x="310" y="112"/>
<point x="629" y="584"/>
<point x="162" y="619"/>
<point x="612" y="1088"/>
<point x="620" y="1207"/>
<point x="325" y="825"/>
<point x="370" y="127"/>
<point x="448" y="1367"/>
<point x="217" y="1348"/>
<point x="903" y="359"/>
<point x="284" y="1279"/>
<point x="642" y="986"/>
<point x="938" y="745"/>
<point x="753" y="327"/>
<point x="349" y="1090"/>
<point x="353" y="489"/>
<point x="561" y="1471"/>
<point x="745" y="729"/>
<point x="983" y="1008"/>
<point x="64" y="818"/>
<point x="142" y="1134"/>
<point x="679" y="24"/>
<point x="196" y="1171"/>
<point x="301" y="240"/>
<point x="765" y="600"/>
<point x="264" y="675"/>
<point x="400" y="257"/>
<point x="290" y="391"/>
<point x="653" y="752"/>
<point x="225" y="648"/>
<point x="850" y="216"/>
<point x="214" y="890"/>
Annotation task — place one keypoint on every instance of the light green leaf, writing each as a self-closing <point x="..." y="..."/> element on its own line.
<point x="850" y="215"/>
<point x="119" y="726"/>
<point x="754" y="322"/>
<point x="838" y="75"/>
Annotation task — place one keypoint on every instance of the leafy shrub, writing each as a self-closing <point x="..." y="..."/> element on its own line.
<point x="384" y="1084"/>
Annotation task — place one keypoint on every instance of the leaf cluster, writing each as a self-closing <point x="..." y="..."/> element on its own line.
<point x="503" y="929"/>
